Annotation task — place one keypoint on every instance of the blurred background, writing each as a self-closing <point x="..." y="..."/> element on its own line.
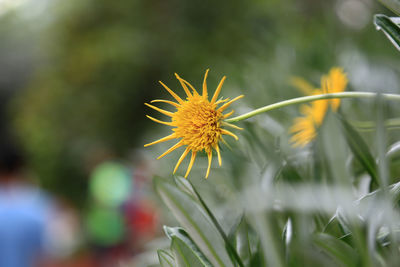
<point x="74" y="76"/>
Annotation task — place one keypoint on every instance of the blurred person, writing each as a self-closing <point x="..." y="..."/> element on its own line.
<point x="24" y="211"/>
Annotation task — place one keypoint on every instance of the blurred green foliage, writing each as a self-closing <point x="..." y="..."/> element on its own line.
<point x="103" y="61"/>
<point x="99" y="61"/>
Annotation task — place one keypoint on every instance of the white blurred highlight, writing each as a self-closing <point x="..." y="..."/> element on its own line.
<point x="8" y="5"/>
<point x="310" y="198"/>
<point x="353" y="13"/>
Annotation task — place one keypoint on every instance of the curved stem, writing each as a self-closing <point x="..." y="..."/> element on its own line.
<point x="311" y="98"/>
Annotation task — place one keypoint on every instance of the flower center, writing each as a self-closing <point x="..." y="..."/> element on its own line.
<point x="198" y="123"/>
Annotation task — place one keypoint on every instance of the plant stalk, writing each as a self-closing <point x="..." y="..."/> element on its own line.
<point x="306" y="99"/>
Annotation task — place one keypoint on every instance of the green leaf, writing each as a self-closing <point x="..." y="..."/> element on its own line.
<point x="339" y="250"/>
<point x="389" y="28"/>
<point x="394" y="193"/>
<point x="257" y="259"/>
<point x="360" y="150"/>
<point x="234" y="229"/>
<point x="185" y="186"/>
<point x="259" y="150"/>
<point x="393" y="152"/>
<point x="393" y="5"/>
<point x="180" y="233"/>
<point x="289" y="173"/>
<point x="239" y="237"/>
<point x="165" y="258"/>
<point x="184" y="256"/>
<point x="195" y="221"/>
<point x="269" y="232"/>
<point x="337" y="226"/>
<point x="334" y="153"/>
<point x="287" y="235"/>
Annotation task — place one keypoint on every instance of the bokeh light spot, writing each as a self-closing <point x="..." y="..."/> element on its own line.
<point x="111" y="184"/>
<point x="105" y="226"/>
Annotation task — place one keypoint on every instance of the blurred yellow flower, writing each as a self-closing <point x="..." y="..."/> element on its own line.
<point x="198" y="122"/>
<point x="304" y="128"/>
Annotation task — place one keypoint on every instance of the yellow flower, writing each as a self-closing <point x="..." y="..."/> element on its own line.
<point x="305" y="128"/>
<point x="198" y="122"/>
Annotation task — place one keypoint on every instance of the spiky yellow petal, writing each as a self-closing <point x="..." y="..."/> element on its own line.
<point x="187" y="91"/>
<point x="302" y="85"/>
<point x="167" y="138"/>
<point x="218" y="90"/>
<point x="198" y="123"/>
<point x="231" y="125"/>
<point x="191" y="163"/>
<point x="205" y="92"/>
<point x="209" y="156"/>
<point x="158" y="121"/>
<point x="304" y="128"/>
<point x="224" y="106"/>
<point x="183" y="156"/>
<point x="177" y="98"/>
<point x="165" y="101"/>
<point x="228" y="114"/>
<point x="184" y="83"/>
<point x="177" y="145"/>
<point x="219" y="155"/>
<point x="223" y="131"/>
<point x="160" y="110"/>
<point x="336" y="82"/>
<point x="222" y="101"/>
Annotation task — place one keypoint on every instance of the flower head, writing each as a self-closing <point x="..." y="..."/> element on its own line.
<point x="305" y="127"/>
<point x="198" y="122"/>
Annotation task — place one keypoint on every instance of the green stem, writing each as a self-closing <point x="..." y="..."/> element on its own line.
<point x="311" y="98"/>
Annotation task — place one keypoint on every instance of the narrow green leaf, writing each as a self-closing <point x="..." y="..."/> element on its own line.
<point x="336" y="227"/>
<point x="165" y="258"/>
<point x="289" y="173"/>
<point x="259" y="150"/>
<point x="257" y="259"/>
<point x="185" y="186"/>
<point x="234" y="229"/>
<point x="360" y="150"/>
<point x="180" y="233"/>
<point x="381" y="142"/>
<point x="339" y="250"/>
<point x="334" y="153"/>
<point x="393" y="5"/>
<point x="194" y="219"/>
<point x="184" y="256"/>
<point x="394" y="193"/>
<point x="287" y="236"/>
<point x="239" y="237"/>
<point x="389" y="28"/>
<point x="269" y="233"/>
<point x="393" y="152"/>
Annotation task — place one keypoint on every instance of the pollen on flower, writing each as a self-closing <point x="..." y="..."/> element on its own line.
<point x="198" y="122"/>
